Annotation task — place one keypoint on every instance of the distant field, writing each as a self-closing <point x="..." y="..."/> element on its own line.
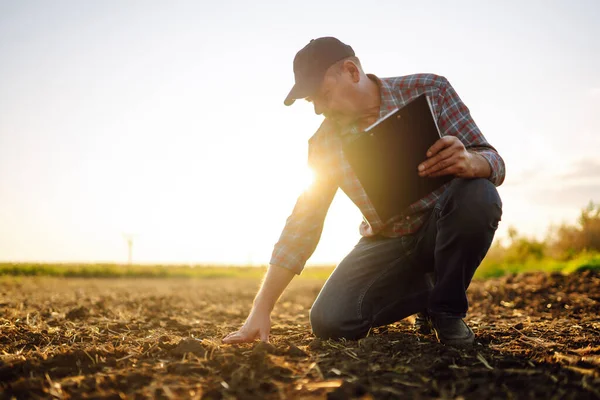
<point x="148" y="271"/>
<point x="488" y="269"/>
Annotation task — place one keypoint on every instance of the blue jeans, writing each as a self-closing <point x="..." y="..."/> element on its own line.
<point x="383" y="280"/>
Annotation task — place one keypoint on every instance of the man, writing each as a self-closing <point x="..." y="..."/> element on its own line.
<point x="388" y="274"/>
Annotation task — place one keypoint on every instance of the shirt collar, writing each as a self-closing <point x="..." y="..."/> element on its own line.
<point x="386" y="94"/>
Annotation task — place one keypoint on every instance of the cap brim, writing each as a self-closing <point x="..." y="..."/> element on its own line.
<point x="295" y="94"/>
<point x="289" y="101"/>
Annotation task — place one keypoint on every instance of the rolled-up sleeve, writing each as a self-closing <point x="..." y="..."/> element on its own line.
<point x="455" y="119"/>
<point x="304" y="226"/>
<point x="496" y="164"/>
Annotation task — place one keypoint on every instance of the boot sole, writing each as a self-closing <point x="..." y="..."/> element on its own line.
<point x="464" y="342"/>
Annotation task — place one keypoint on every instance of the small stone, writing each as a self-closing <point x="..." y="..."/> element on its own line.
<point x="518" y="326"/>
<point x="294" y="351"/>
<point x="367" y="343"/>
<point x="316" y="344"/>
<point x="164" y="339"/>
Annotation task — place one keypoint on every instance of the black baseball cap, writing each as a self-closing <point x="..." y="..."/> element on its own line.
<point x="311" y="63"/>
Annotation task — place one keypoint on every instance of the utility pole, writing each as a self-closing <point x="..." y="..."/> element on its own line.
<point x="129" y="239"/>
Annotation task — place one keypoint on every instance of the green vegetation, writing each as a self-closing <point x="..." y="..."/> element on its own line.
<point x="492" y="268"/>
<point x="566" y="248"/>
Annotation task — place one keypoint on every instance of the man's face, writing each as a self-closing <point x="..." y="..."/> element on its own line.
<point x="337" y="98"/>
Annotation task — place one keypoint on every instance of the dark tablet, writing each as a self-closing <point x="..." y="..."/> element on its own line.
<point x="385" y="157"/>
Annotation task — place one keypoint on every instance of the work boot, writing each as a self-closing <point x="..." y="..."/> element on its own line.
<point x="422" y="323"/>
<point x="452" y="331"/>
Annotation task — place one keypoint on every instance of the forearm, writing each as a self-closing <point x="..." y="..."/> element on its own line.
<point x="274" y="283"/>
<point x="303" y="228"/>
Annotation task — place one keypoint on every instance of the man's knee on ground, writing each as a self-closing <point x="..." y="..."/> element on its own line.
<point x="331" y="323"/>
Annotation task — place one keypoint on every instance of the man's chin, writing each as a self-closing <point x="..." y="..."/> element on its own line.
<point x="339" y="120"/>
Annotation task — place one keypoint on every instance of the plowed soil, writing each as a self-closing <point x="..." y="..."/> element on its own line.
<point x="538" y="336"/>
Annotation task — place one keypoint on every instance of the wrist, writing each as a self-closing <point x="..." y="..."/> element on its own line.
<point x="473" y="163"/>
<point x="479" y="166"/>
<point x="262" y="305"/>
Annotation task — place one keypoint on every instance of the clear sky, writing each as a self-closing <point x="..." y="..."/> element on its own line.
<point x="166" y="119"/>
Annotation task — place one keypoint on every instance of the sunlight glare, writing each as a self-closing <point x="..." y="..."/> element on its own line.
<point x="306" y="178"/>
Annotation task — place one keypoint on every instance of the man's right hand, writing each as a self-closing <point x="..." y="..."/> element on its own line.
<point x="257" y="326"/>
<point x="258" y="323"/>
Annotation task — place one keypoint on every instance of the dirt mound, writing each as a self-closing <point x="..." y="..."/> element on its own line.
<point x="77" y="313"/>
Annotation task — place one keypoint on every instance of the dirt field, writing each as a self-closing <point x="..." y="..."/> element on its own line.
<point x="538" y="336"/>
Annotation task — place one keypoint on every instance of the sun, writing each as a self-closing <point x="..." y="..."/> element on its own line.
<point x="306" y="177"/>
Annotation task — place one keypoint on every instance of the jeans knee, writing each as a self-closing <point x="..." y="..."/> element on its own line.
<point x="324" y="325"/>
<point x="477" y="204"/>
<point x="329" y="323"/>
<point x="320" y="326"/>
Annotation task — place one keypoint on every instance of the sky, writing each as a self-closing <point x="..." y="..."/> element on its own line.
<point x="165" y="119"/>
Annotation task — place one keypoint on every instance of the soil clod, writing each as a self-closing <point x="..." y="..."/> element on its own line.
<point x="189" y="345"/>
<point x="77" y="313"/>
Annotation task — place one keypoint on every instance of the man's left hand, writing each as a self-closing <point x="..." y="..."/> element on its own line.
<point x="448" y="156"/>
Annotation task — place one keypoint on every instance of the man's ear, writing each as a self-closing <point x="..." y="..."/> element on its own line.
<point x="353" y="70"/>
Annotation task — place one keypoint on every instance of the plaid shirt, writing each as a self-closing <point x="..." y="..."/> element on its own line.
<point x="325" y="156"/>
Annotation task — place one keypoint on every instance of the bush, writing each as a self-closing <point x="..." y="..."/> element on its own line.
<point x="567" y="241"/>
